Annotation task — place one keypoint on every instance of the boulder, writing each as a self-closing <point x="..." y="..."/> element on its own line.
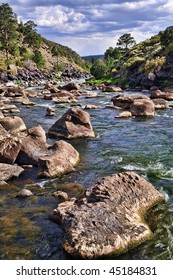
<point x="13" y="124"/>
<point x="142" y="107"/>
<point x="75" y="123"/>
<point x="111" y="89"/>
<point x="7" y="171"/>
<point x="33" y="146"/>
<point x="160" y="103"/>
<point x="156" y="93"/>
<point x="71" y="86"/>
<point x="124" y="101"/>
<point x="110" y="218"/>
<point x="60" y="158"/>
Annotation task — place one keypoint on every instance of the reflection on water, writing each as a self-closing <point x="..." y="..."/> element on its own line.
<point x="136" y="144"/>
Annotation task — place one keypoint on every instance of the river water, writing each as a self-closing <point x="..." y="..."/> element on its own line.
<point x="143" y="145"/>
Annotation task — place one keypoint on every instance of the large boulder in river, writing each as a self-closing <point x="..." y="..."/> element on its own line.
<point x="60" y="158"/>
<point x="142" y="108"/>
<point x="124" y="101"/>
<point x="109" y="219"/>
<point x="33" y="146"/>
<point x="75" y="123"/>
<point x="137" y="104"/>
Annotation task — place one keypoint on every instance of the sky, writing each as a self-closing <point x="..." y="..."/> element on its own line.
<point x="90" y="27"/>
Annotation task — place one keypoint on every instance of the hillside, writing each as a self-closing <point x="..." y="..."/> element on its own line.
<point x="143" y="65"/>
<point x="22" y="46"/>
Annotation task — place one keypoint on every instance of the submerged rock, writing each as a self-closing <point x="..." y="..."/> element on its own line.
<point x="109" y="218"/>
<point x="75" y="123"/>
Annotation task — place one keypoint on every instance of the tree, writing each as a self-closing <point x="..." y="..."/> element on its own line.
<point x="38" y="58"/>
<point x="98" y="69"/>
<point x="126" y="41"/>
<point x="167" y="37"/>
<point x="31" y="37"/>
<point x="8" y="28"/>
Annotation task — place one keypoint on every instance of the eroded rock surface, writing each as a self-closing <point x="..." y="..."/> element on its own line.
<point x="109" y="218"/>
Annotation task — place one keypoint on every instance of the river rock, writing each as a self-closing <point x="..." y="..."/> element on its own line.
<point x="142" y="107"/>
<point x="24" y="193"/>
<point x="33" y="146"/>
<point x="60" y="158"/>
<point x="111" y="89"/>
<point x="9" y="149"/>
<point x="71" y="86"/>
<point x="7" y="171"/>
<point x="13" y="124"/>
<point x="75" y="123"/>
<point x="160" y="103"/>
<point x="109" y="219"/>
<point x="124" y="101"/>
<point x="124" y="114"/>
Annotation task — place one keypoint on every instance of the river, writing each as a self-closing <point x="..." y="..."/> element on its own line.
<point x="143" y="145"/>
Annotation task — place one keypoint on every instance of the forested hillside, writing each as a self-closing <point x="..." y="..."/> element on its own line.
<point x="21" y="45"/>
<point x="144" y="64"/>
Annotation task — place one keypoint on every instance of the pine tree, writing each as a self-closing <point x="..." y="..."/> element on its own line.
<point x="126" y="41"/>
<point x="8" y="28"/>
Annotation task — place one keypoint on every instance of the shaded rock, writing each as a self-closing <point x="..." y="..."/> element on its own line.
<point x="109" y="219"/>
<point x="33" y="146"/>
<point x="9" y="149"/>
<point x="71" y="86"/>
<point x="59" y="158"/>
<point x="24" y="193"/>
<point x="75" y="123"/>
<point x="142" y="107"/>
<point x="13" y="124"/>
<point x="8" y="171"/>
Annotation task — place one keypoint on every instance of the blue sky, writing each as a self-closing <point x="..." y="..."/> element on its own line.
<point x="92" y="26"/>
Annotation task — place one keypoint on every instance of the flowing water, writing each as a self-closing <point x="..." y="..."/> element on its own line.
<point x="143" y="145"/>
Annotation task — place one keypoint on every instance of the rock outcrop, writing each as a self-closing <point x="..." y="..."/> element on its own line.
<point x="75" y="123"/>
<point x="109" y="218"/>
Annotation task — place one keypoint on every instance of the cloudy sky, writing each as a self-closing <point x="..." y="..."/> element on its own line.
<point x="91" y="26"/>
